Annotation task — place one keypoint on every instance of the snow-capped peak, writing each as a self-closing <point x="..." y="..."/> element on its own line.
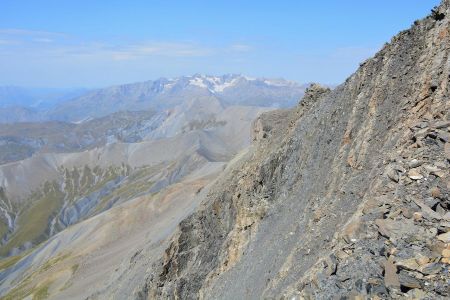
<point x="218" y="84"/>
<point x="198" y="82"/>
<point x="215" y="84"/>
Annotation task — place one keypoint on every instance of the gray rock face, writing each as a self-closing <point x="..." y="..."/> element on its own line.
<point x="325" y="204"/>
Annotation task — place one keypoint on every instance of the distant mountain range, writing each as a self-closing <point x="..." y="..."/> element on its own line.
<point x="22" y="105"/>
<point x="36" y="98"/>
<point x="19" y="104"/>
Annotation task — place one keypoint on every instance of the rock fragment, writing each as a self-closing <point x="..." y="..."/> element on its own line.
<point x="427" y="212"/>
<point x="446" y="253"/>
<point x="415" y="163"/>
<point x="396" y="229"/>
<point x="435" y="192"/>
<point x="408" y="264"/>
<point x="351" y="231"/>
<point x="414" y="174"/>
<point x="393" y="175"/>
<point x="441" y="124"/>
<point x="406" y="280"/>
<point x="430" y="268"/>
<point x="417" y="216"/>
<point x="445" y="237"/>
<point x="390" y="274"/>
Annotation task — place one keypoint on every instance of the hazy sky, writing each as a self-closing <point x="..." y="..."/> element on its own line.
<point x="99" y="43"/>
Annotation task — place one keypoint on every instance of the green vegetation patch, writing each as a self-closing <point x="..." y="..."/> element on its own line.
<point x="9" y="261"/>
<point x="41" y="293"/>
<point x="136" y="183"/>
<point x="38" y="291"/>
<point x="75" y="268"/>
<point x="53" y="261"/>
<point x="33" y="221"/>
<point x="4" y="229"/>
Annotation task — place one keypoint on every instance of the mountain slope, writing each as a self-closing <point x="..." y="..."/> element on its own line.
<point x="87" y="258"/>
<point x="345" y="195"/>
<point x="49" y="191"/>
<point x="13" y="114"/>
<point x="22" y="140"/>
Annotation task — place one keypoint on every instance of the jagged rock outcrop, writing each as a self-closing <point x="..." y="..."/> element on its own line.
<point x="346" y="194"/>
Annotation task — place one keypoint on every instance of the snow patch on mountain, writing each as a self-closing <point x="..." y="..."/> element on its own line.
<point x="198" y="82"/>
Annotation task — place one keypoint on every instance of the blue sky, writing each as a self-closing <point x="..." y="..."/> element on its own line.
<point x="99" y="43"/>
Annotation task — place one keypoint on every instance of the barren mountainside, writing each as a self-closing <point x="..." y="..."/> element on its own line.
<point x="347" y="194"/>
<point x="43" y="194"/>
<point x="22" y="140"/>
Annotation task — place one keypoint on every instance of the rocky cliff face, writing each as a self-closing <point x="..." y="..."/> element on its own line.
<point x="346" y="194"/>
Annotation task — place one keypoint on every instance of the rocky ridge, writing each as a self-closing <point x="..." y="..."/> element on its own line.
<point x="345" y="195"/>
